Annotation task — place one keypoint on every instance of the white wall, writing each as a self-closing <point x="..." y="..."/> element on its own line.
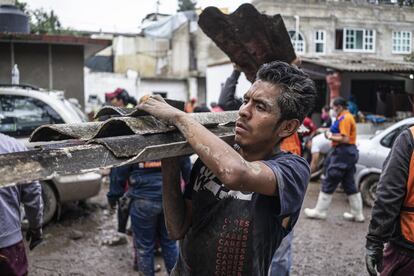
<point x="98" y="83"/>
<point x="176" y="89"/>
<point x="217" y="75"/>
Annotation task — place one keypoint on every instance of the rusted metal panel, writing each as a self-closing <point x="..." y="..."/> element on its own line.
<point x="248" y="37"/>
<point x="120" y="126"/>
<point x="47" y="161"/>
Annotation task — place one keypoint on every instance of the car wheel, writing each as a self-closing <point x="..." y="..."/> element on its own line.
<point x="50" y="202"/>
<point x="368" y="189"/>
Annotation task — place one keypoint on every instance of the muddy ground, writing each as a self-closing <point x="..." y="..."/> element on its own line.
<point x="75" y="244"/>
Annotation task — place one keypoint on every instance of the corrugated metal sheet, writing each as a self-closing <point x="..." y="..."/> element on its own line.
<point x="120" y="126"/>
<point x="106" y="144"/>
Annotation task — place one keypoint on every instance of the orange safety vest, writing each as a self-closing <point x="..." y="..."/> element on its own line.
<point x="407" y="211"/>
<point x="292" y="144"/>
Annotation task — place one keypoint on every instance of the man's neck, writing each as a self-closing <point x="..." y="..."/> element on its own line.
<point x="253" y="154"/>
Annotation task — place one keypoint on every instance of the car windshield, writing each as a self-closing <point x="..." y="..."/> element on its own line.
<point x="75" y="110"/>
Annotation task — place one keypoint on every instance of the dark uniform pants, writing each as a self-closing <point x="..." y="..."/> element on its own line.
<point x="340" y="168"/>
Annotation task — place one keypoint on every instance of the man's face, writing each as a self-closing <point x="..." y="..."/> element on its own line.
<point x="258" y="116"/>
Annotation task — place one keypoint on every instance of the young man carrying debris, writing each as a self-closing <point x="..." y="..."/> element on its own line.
<point x="241" y="201"/>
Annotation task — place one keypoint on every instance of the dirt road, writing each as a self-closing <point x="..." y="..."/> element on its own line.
<point x="74" y="245"/>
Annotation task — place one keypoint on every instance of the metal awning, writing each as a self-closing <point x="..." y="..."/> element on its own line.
<point x="91" y="45"/>
<point x="346" y="63"/>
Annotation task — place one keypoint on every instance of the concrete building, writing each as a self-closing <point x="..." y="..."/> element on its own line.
<point x="164" y="59"/>
<point x="369" y="44"/>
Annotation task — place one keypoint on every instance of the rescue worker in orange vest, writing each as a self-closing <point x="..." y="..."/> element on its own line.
<point x="340" y="166"/>
<point x="392" y="219"/>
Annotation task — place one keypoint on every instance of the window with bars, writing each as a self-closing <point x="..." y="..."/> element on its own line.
<point x="298" y="42"/>
<point x="359" y="40"/>
<point x="401" y="42"/>
<point x="320" y="41"/>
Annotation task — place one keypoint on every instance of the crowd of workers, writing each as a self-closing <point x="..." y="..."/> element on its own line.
<point x="235" y="208"/>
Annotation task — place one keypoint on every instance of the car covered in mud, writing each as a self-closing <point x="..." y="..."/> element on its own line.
<point x="372" y="153"/>
<point x="25" y="108"/>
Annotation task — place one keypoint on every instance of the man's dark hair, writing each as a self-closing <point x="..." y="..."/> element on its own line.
<point x="297" y="90"/>
<point x="340" y="102"/>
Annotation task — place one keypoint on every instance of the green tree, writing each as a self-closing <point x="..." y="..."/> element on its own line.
<point x="43" y="22"/>
<point x="186" y="5"/>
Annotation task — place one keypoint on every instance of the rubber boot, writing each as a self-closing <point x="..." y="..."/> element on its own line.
<point x="321" y="209"/>
<point x="355" y="201"/>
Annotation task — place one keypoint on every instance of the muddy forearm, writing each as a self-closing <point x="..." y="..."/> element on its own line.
<point x="173" y="202"/>
<point x="216" y="154"/>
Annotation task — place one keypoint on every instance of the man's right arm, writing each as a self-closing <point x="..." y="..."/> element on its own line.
<point x="177" y="210"/>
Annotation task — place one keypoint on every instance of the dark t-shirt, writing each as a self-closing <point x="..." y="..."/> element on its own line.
<point x="235" y="233"/>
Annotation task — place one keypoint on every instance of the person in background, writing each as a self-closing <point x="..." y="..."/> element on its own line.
<point x="215" y="107"/>
<point x="120" y="98"/>
<point x="227" y="99"/>
<point x="319" y="145"/>
<point x="352" y="106"/>
<point x="201" y="108"/>
<point x="310" y="126"/>
<point x="325" y="117"/>
<point x="147" y="215"/>
<point x="13" y="259"/>
<point x="340" y="166"/>
<point x="190" y="105"/>
<point x="392" y="219"/>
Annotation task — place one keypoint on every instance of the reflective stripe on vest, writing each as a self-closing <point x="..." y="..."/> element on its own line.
<point x="407" y="211"/>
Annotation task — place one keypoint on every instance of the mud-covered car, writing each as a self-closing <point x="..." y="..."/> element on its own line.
<point x="372" y="153"/>
<point x="23" y="109"/>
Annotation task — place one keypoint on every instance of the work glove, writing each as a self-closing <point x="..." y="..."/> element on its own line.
<point x="373" y="257"/>
<point x="34" y="236"/>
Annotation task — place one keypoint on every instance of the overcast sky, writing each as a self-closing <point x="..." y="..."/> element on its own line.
<point x="115" y="15"/>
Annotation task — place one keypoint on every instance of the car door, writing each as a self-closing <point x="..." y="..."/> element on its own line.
<point x="20" y="115"/>
<point x="386" y="144"/>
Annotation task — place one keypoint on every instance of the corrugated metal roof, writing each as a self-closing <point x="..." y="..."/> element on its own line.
<point x="117" y="141"/>
<point x="91" y="45"/>
<point x="359" y="64"/>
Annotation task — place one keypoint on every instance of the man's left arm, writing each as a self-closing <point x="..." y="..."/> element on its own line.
<point x="229" y="166"/>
